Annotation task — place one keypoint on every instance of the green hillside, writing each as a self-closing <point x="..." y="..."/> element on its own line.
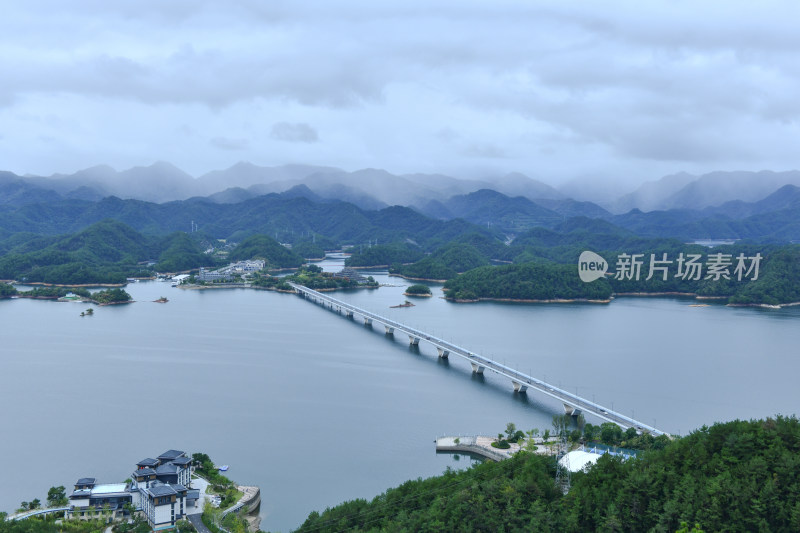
<point x="737" y="476"/>
<point x="105" y="252"/>
<point x="528" y="281"/>
<point x="268" y="249"/>
<point x="444" y="263"/>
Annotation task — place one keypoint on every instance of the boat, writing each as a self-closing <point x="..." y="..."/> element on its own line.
<point x="223" y="468"/>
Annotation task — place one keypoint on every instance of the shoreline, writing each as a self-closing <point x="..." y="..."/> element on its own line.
<point x="418" y="279"/>
<point x="84" y="285"/>
<point x="244" y="286"/>
<point x="765" y="306"/>
<point x="521" y="300"/>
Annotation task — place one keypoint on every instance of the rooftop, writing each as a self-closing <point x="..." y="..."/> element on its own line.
<point x="147" y="462"/>
<point x="168" y="468"/>
<point x="161" y="490"/>
<point x="579" y="459"/>
<point x="86" y="481"/>
<point x="109" y="488"/>
<point x="170" y="455"/>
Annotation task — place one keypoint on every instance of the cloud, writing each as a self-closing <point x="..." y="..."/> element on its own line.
<point x="618" y="87"/>
<point x="485" y="151"/>
<point x="298" y="133"/>
<point x="229" y="144"/>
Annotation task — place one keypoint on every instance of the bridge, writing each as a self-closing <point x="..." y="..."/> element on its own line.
<point x="573" y="404"/>
<point x="38" y="512"/>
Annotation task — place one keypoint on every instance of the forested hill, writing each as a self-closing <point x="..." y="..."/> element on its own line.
<point x="109" y="252"/>
<point x="289" y="219"/>
<point x="736" y="476"/>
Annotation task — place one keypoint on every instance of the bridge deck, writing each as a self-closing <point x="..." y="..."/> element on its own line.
<point x="519" y="379"/>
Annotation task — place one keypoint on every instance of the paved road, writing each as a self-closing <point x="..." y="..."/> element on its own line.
<point x="198" y="524"/>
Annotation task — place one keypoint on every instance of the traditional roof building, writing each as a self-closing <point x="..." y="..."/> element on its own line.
<point x="350" y="274"/>
<point x="159" y="488"/>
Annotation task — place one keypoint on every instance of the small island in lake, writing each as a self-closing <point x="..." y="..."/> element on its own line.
<point x="418" y="290"/>
<point x="111" y="297"/>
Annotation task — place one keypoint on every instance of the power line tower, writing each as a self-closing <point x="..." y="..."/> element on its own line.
<point x="563" y="472"/>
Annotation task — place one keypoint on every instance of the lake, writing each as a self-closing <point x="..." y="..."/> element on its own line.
<point x="315" y="408"/>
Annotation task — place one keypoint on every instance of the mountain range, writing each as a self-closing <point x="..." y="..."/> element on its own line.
<point x="719" y="205"/>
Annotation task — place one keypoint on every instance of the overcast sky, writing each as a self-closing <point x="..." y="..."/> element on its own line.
<point x="556" y="90"/>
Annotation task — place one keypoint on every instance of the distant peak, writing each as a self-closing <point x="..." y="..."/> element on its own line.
<point x="98" y="170"/>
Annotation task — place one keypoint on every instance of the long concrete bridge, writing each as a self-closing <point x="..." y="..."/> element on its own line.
<point x="573" y="404"/>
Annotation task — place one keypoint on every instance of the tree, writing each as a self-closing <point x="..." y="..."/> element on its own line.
<point x="560" y="424"/>
<point x="511" y="429"/>
<point x="530" y="444"/>
<point x="685" y="528"/>
<point x="610" y="433"/>
<point x="35" y="504"/>
<point x="57" y="496"/>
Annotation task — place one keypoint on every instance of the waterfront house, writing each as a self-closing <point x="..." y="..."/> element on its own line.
<point x="160" y="488"/>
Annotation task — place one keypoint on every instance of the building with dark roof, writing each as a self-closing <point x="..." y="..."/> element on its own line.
<point x="351" y="275"/>
<point x="159" y="488"/>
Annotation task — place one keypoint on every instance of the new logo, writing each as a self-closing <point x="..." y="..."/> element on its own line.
<point x="591" y="266"/>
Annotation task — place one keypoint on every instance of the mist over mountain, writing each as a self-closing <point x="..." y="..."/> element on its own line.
<point x="487" y="207"/>
<point x="651" y="195"/>
<point x="737" y="205"/>
<point x="685" y="191"/>
<point x="369" y="188"/>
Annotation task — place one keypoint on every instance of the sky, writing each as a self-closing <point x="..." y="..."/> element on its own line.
<point x="560" y="91"/>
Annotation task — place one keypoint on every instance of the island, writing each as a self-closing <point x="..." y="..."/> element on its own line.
<point x="418" y="290"/>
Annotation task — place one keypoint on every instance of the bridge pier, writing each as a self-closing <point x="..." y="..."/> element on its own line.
<point x="413" y="341"/>
<point x="367" y="321"/>
<point x="520" y="387"/>
<point x="389" y="329"/>
<point x="571" y="411"/>
<point x="348" y="314"/>
<point x="477" y="369"/>
<point x="442" y="352"/>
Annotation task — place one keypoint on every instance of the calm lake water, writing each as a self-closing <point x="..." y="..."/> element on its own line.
<point x="317" y="409"/>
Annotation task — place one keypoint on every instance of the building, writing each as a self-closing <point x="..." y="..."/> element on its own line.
<point x="351" y="275"/>
<point x="213" y="275"/>
<point x="160" y="488"/>
<point x="89" y="498"/>
<point x="248" y="267"/>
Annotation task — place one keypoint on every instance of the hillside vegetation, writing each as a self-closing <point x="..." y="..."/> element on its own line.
<point x="740" y="476"/>
<point x="268" y="249"/>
